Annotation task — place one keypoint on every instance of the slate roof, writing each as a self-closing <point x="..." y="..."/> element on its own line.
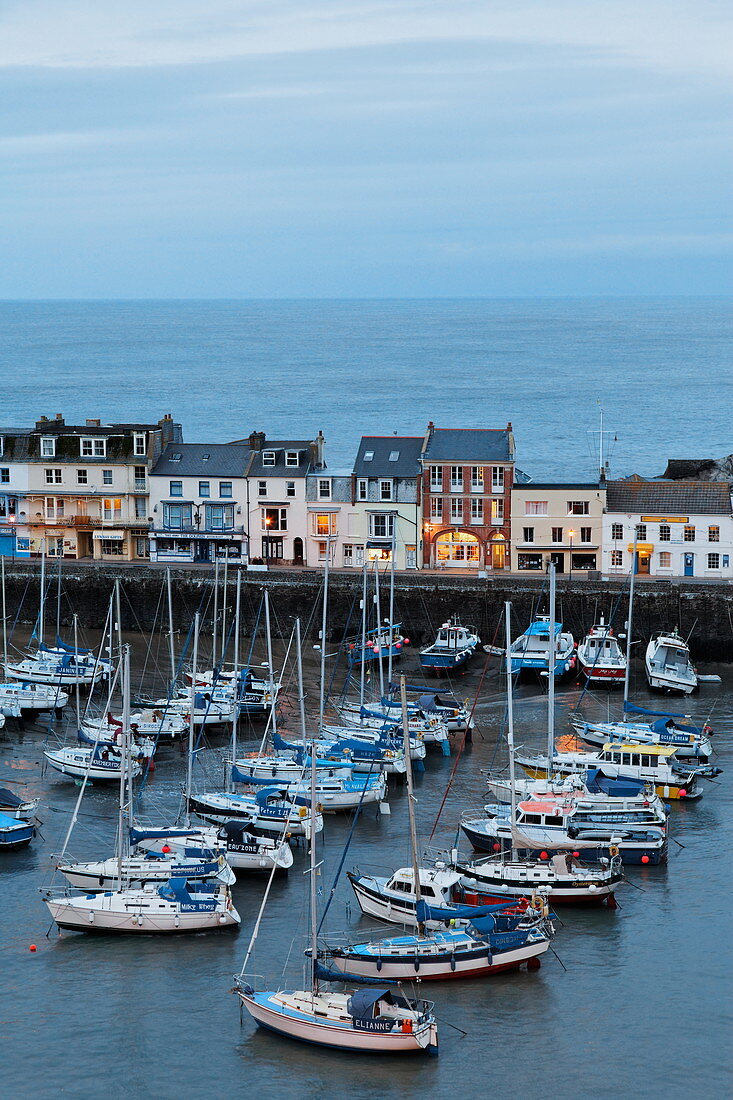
<point x="406" y="447"/>
<point x="225" y="460"/>
<point x="468" y="445"/>
<point x="634" y="495"/>
<point x="258" y="469"/>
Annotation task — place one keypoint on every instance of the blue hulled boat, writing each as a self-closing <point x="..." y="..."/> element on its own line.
<point x="531" y="651"/>
<point x="454" y="646"/>
<point x="15" y="833"/>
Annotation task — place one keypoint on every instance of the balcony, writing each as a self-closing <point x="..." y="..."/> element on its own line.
<point x="192" y="529"/>
<point x="456" y="486"/>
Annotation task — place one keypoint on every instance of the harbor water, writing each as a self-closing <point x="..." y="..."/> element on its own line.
<point x="631" y="1002"/>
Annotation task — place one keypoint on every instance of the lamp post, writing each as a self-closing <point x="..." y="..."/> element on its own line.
<point x="571" y="536"/>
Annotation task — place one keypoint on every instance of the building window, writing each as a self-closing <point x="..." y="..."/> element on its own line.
<point x="362" y="489"/>
<point x="292" y="458"/>
<point x="324" y="488"/>
<point x="456" y="510"/>
<point x="140" y="508"/>
<point x="142" y="548"/>
<point x="578" y="508"/>
<point x="586" y="534"/>
<point x="456" y="479"/>
<point x="48" y="447"/>
<point x="665" y="532"/>
<point x="665" y="559"/>
<point x="324" y="523"/>
<point x="497" y="479"/>
<point x="177" y="517"/>
<point x="497" y="511"/>
<point x="583" y="561"/>
<point x="112" y="547"/>
<point x="617" y="530"/>
<point x="139" y="473"/>
<point x="268" y="458"/>
<point x="106" y="477"/>
<point x="112" y="508"/>
<point x="289" y="488"/>
<point x="204" y="488"/>
<point x="436" y="479"/>
<point x="617" y="558"/>
<point x="368" y="456"/>
<point x="535" y="508"/>
<point x="175" y="488"/>
<point x="219" y="517"/>
<point x="261" y="488"/>
<point x="529" y="561"/>
<point x="528" y="534"/>
<point x="557" y="534"/>
<point x="477" y="479"/>
<point x="477" y="512"/>
<point x="82" y="477"/>
<point x="322" y="549"/>
<point x="139" y="446"/>
<point x="436" y="509"/>
<point x="641" y="532"/>
<point x="381" y="526"/>
<point x="348" y="553"/>
<point x="4" y="475"/>
<point x="713" y="534"/>
<point x="394" y="456"/>
<point x="94" y="448"/>
<point x="274" y="519"/>
<point x="689" y="533"/>
<point x="225" y="488"/>
<point x="53" y="477"/>
<point x="385" y="490"/>
<point x="713" y="561"/>
<point x="54" y="507"/>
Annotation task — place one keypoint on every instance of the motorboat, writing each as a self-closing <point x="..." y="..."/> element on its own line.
<point x="382" y="644"/>
<point x="563" y="877"/>
<point x="600" y="657"/>
<point x="15" y="832"/>
<point x="14" y="806"/>
<point x="655" y="764"/>
<point x="531" y="651"/>
<point x="668" y="665"/>
<point x="453" y="647"/>
<point x="691" y="744"/>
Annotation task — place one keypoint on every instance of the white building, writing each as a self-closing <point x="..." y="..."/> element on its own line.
<point x="331" y="516"/>
<point x="386" y="496"/>
<point x="683" y="528"/>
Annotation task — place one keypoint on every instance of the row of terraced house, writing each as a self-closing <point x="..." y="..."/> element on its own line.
<point x="449" y="499"/>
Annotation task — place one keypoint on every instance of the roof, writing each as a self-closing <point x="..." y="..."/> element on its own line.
<point x="469" y="444"/>
<point x="634" y="495"/>
<point x="590" y="486"/>
<point x="545" y="807"/>
<point x="632" y="746"/>
<point x="279" y="468"/>
<point x="392" y="456"/>
<point x="224" y="460"/>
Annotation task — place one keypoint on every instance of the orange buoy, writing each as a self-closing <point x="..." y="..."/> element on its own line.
<point x="32" y="947"/>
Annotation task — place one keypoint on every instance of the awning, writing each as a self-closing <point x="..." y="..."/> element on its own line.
<point x="642" y="547"/>
<point x="324" y="508"/>
<point x="115" y="536"/>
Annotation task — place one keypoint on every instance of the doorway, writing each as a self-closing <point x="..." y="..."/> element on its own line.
<point x="297" y="551"/>
<point x="498" y="552"/>
<point x="201" y="551"/>
<point x="558" y="560"/>
<point x="642" y="563"/>
<point x="689" y="565"/>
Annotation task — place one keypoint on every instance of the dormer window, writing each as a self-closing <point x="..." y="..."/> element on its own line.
<point x="93" y="448"/>
<point x="139" y="444"/>
<point x="292" y="458"/>
<point x="268" y="458"/>
<point x="324" y="489"/>
<point x="48" y="446"/>
<point x="394" y="456"/>
<point x="368" y="456"/>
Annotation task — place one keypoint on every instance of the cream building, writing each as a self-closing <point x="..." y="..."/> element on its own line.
<point x="559" y="523"/>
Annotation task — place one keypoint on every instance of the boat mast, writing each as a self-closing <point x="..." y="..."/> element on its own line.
<point x="551" y="675"/>
<point x="42" y="610"/>
<point x="363" y="633"/>
<point x="5" y="621"/>
<point x="391" y="608"/>
<point x="224" y="611"/>
<point x="76" y="647"/>
<point x="58" y="596"/>
<point x="191" y="724"/>
<point x="313" y="805"/>
<point x="270" y="670"/>
<point x="235" y="713"/>
<point x="125" y="776"/>
<point x="510" y="722"/>
<point x="378" y="636"/>
<point x="216" y="614"/>
<point x="171" y="643"/>
<point x="324" y="619"/>
<point x="411" y="806"/>
<point x="629" y="625"/>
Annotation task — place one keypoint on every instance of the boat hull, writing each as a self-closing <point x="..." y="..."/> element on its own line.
<point x="478" y="963"/>
<point x="631" y="853"/>
<point x="74" y="916"/>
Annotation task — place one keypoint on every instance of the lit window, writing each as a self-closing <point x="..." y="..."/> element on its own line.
<point x="713" y="534"/>
<point x="497" y="510"/>
<point x="535" y="508"/>
<point x="689" y="533"/>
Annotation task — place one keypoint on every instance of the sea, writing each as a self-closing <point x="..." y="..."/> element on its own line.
<point x="660" y="369"/>
<point x="633" y="1002"/>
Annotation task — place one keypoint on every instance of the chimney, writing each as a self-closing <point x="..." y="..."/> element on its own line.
<point x="317" y="450"/>
<point x="510" y="435"/>
<point x="59" y="418"/>
<point x="257" y="440"/>
<point x="92" y="423"/>
<point x="426" y="439"/>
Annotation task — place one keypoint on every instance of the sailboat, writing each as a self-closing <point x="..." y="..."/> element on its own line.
<point x="372" y="1020"/>
<point x="456" y="936"/>
<point x="177" y="905"/>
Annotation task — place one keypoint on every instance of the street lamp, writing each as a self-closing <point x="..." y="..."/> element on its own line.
<point x="571" y="535"/>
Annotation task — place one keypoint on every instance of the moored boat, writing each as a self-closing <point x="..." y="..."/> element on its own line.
<point x="600" y="657"/>
<point x="668" y="665"/>
<point x="453" y="647"/>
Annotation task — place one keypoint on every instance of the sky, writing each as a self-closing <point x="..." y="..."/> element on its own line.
<point x="409" y="148"/>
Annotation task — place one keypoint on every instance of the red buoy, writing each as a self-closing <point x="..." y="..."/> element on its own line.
<point x="165" y="849"/>
<point x="544" y="855"/>
<point x="497" y="847"/>
<point x="683" y="792"/>
<point x="406" y="641"/>
<point x="576" y="855"/>
<point x="32" y="947"/>
<point x="645" y="859"/>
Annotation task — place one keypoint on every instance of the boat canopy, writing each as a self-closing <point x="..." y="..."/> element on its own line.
<point x="64" y="647"/>
<point x="136" y="835"/>
<point x="631" y="708"/>
<point x="236" y="830"/>
<point x="670" y="728"/>
<point x="425" y="912"/>
<point x="262" y="797"/>
<point x="632" y="746"/>
<point x="542" y="626"/>
<point x="598" y="783"/>
<point x="9" y="798"/>
<point x="361" y="1003"/>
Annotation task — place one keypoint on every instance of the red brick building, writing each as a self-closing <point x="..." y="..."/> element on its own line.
<point x="467" y="477"/>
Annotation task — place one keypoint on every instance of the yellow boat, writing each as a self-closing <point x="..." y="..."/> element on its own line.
<point x="653" y="764"/>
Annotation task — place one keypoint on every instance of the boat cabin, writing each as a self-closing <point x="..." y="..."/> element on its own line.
<point x="544" y="813"/>
<point x="435" y="884"/>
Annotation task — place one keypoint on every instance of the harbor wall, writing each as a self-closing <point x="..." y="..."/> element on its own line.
<point x="422" y="601"/>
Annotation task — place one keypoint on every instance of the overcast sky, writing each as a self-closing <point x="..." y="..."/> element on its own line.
<point x="239" y="148"/>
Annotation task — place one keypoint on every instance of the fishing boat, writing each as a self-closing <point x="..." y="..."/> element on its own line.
<point x="531" y="651"/>
<point x="15" y="832"/>
<point x="668" y="665"/>
<point x="654" y="764"/>
<point x="453" y="647"/>
<point x="369" y="1020"/>
<point x="600" y="657"/>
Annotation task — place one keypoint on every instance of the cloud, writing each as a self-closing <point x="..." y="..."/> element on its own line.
<point x="676" y="35"/>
